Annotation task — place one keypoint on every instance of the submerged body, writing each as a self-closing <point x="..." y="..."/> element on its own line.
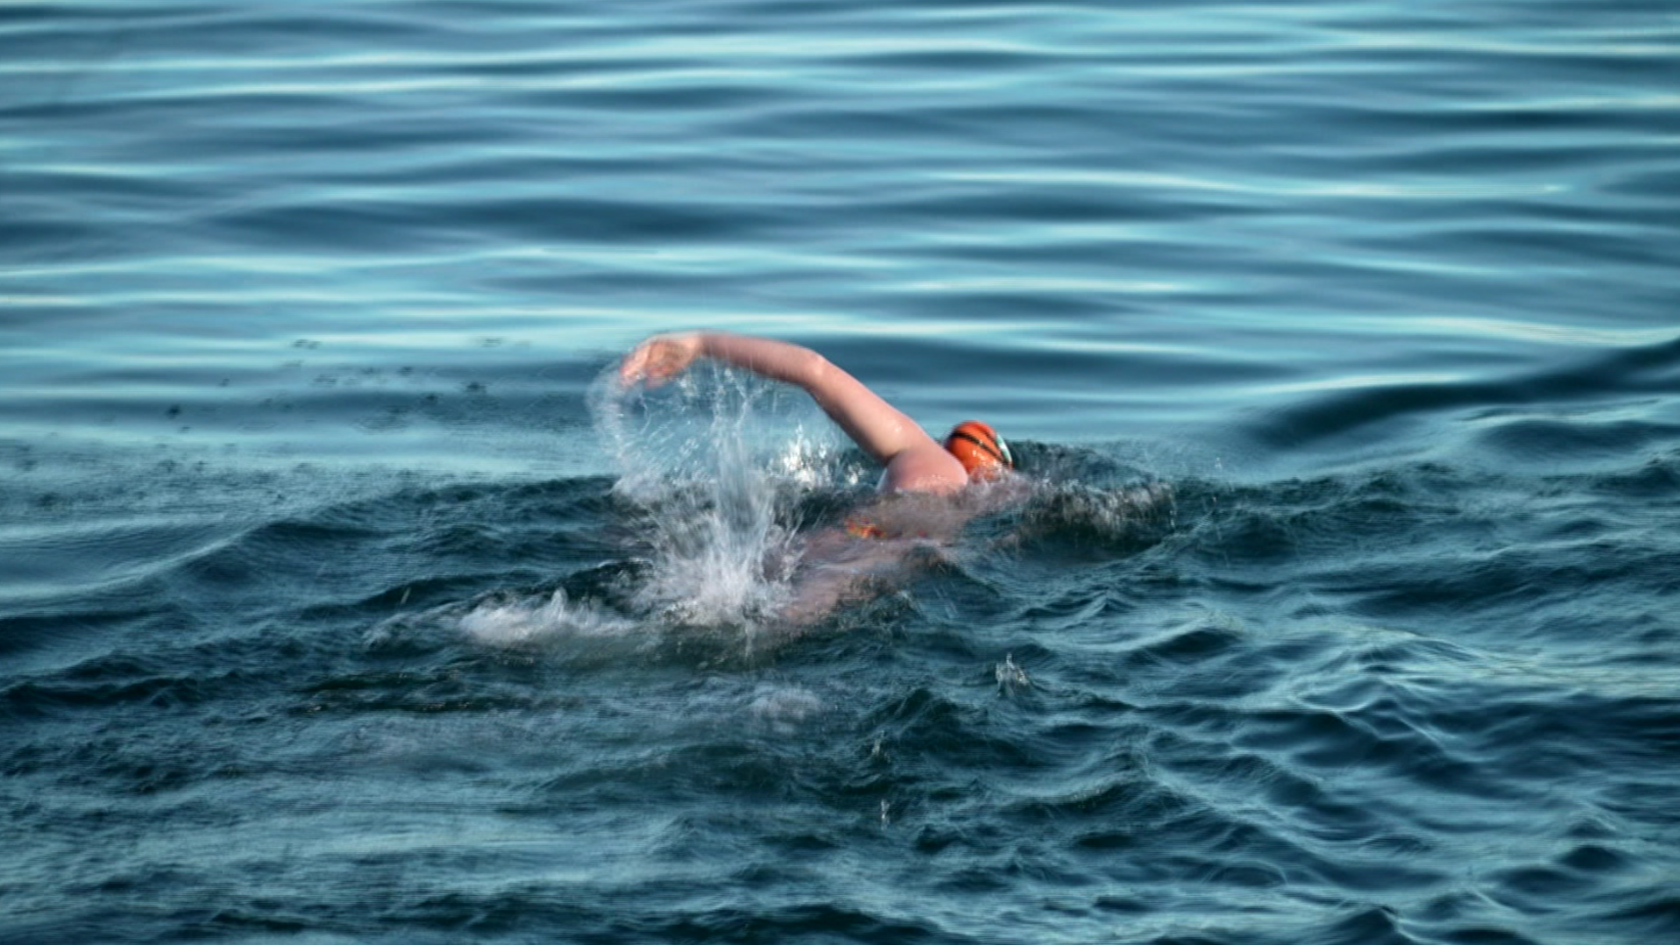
<point x="882" y="545"/>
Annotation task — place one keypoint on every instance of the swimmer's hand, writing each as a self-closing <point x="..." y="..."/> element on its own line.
<point x="660" y="358"/>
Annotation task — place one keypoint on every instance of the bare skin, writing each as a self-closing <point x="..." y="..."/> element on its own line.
<point x="913" y="460"/>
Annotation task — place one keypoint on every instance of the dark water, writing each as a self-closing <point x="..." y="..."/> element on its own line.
<point x="340" y="601"/>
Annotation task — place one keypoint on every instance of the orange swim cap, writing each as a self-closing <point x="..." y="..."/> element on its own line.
<point x="979" y="448"/>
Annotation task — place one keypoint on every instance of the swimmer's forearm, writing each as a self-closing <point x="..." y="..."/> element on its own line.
<point x="777" y="360"/>
<point x="876" y="426"/>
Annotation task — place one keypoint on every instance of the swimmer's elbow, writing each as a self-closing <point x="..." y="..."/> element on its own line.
<point x="817" y="371"/>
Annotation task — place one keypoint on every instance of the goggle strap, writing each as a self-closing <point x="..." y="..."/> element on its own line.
<point x="998" y="450"/>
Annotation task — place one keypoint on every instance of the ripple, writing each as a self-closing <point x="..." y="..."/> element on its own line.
<point x="1337" y="341"/>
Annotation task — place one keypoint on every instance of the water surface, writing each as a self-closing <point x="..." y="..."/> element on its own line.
<point x="1339" y="342"/>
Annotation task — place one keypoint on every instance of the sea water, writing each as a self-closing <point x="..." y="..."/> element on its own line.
<point x="345" y="596"/>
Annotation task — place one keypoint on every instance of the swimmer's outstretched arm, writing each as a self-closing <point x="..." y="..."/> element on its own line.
<point x="914" y="459"/>
<point x="877" y="426"/>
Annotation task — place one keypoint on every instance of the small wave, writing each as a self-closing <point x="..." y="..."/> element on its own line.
<point x="784" y="708"/>
<point x="1639" y="370"/>
<point x="508" y="619"/>
<point x="513" y="622"/>
<point x="1112" y="517"/>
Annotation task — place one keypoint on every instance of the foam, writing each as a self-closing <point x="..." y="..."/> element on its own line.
<point x="513" y="622"/>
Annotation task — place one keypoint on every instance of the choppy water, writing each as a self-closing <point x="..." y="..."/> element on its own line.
<point x="341" y="601"/>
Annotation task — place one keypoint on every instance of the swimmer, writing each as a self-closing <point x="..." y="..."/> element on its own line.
<point x="923" y="482"/>
<point x="913" y="460"/>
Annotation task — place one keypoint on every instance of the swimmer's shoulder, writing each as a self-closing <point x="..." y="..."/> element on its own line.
<point x="925" y="469"/>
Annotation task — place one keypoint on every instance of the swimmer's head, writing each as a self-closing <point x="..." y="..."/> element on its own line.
<point x="979" y="448"/>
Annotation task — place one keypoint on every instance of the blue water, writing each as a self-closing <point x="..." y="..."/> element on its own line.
<point x="344" y="599"/>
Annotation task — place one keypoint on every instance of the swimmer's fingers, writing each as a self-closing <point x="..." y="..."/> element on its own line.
<point x="659" y="359"/>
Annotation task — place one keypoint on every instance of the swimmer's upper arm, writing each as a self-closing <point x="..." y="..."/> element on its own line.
<point x="880" y="429"/>
<point x="914" y="460"/>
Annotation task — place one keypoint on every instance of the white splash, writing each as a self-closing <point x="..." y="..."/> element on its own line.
<point x="1010" y="676"/>
<point x="784" y="708"/>
<point x="709" y="461"/>
<point x="513" y="622"/>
